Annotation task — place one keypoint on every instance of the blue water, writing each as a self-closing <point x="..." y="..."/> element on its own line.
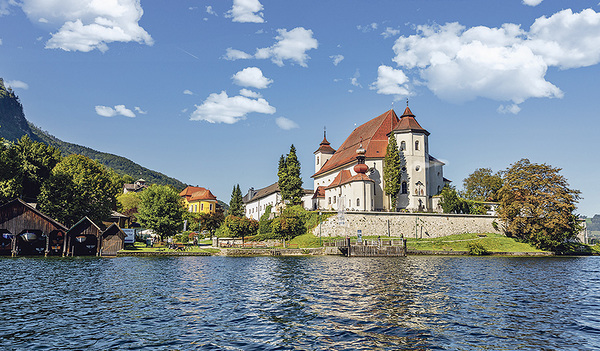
<point x="300" y="303"/>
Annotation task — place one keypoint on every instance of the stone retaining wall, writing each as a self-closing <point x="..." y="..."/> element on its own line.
<point x="411" y="225"/>
<point x="272" y="252"/>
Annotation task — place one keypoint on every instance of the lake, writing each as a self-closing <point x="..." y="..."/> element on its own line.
<point x="302" y="303"/>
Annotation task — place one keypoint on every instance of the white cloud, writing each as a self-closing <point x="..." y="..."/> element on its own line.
<point x="107" y="111"/>
<point x="285" y="123"/>
<point x="354" y="79"/>
<point x="390" y="32"/>
<point x="250" y="94"/>
<point x="140" y="111"/>
<point x="233" y="54"/>
<point x="291" y="45"/>
<point x="532" y="2"/>
<point x="246" y="11"/>
<point x="336" y="59"/>
<point x="85" y="25"/>
<point x="514" y="109"/>
<point x="390" y="82"/>
<point x="220" y="108"/>
<point x="188" y="92"/>
<point x="368" y="28"/>
<point x="251" y="77"/>
<point x="503" y="64"/>
<point x="17" y="84"/>
<point x="210" y="11"/>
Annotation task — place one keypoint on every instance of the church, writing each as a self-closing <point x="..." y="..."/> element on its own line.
<point x="351" y="177"/>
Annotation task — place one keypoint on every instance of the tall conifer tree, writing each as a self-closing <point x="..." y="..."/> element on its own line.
<point x="282" y="175"/>
<point x="392" y="171"/>
<point x="294" y="186"/>
<point x="236" y="205"/>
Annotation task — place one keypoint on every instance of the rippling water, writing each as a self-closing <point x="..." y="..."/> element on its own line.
<point x="303" y="303"/>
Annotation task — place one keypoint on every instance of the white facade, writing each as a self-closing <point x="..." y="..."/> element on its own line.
<point x="256" y="202"/>
<point x="256" y="208"/>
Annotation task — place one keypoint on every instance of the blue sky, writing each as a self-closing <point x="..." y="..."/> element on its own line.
<point x="213" y="92"/>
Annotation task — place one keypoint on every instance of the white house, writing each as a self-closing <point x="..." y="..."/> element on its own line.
<point x="341" y="182"/>
<point x="256" y="201"/>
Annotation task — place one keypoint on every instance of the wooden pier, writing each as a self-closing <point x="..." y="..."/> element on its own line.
<point x="371" y="248"/>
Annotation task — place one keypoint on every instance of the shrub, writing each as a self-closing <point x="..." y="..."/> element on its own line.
<point x="477" y="249"/>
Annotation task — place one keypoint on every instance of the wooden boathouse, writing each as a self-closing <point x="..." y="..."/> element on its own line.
<point x="27" y="231"/>
<point x="113" y="240"/>
<point x="83" y="239"/>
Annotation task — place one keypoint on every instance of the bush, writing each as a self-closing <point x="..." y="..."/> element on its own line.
<point x="477" y="249"/>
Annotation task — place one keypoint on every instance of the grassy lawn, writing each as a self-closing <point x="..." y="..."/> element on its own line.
<point x="460" y="242"/>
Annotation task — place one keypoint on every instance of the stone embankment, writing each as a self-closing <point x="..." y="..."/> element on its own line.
<point x="409" y="225"/>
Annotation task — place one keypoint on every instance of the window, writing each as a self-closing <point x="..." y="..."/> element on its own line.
<point x="334" y="199"/>
<point x="317" y="159"/>
<point x="404" y="188"/>
<point x="357" y="202"/>
<point x="201" y="207"/>
<point x="417" y="145"/>
<point x="329" y="200"/>
<point x="211" y="207"/>
<point x="403" y="145"/>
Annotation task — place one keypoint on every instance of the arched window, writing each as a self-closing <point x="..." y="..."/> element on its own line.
<point x="403" y="145"/>
<point x="417" y="145"/>
<point x="317" y="159"/>
<point x="404" y="188"/>
<point x="357" y="202"/>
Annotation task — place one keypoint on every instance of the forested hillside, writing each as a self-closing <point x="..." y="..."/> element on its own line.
<point x="13" y="125"/>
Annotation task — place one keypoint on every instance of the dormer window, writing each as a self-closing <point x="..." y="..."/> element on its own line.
<point x="416" y="145"/>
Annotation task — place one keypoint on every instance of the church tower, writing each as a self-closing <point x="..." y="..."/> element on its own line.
<point x="323" y="154"/>
<point x="413" y="145"/>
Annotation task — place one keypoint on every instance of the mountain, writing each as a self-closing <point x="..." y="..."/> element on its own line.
<point x="13" y="125"/>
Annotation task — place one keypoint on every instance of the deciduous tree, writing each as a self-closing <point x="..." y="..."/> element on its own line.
<point x="482" y="185"/>
<point x="211" y="221"/>
<point x="161" y="209"/>
<point x="537" y="205"/>
<point x="78" y="187"/>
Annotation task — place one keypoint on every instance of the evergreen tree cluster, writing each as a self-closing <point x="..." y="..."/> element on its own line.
<point x="392" y="171"/>
<point x="236" y="204"/>
<point x="290" y="182"/>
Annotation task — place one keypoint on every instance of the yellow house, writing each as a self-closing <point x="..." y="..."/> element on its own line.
<point x="199" y="200"/>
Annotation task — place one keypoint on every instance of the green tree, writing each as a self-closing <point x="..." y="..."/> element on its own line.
<point x="392" y="171"/>
<point x="161" y="209"/>
<point x="10" y="181"/>
<point x="211" y="221"/>
<point x="289" y="224"/>
<point x="264" y="224"/>
<point x="453" y="203"/>
<point x="537" y="205"/>
<point x="482" y="185"/>
<point x="78" y="187"/>
<point x="294" y="181"/>
<point x="282" y="176"/>
<point x="127" y="204"/>
<point x="236" y="204"/>
<point x="241" y="226"/>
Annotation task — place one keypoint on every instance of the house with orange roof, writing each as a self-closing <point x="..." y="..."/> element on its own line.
<point x="351" y="177"/>
<point x="199" y="200"/>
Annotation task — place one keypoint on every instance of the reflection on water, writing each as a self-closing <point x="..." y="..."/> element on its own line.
<point x="304" y="303"/>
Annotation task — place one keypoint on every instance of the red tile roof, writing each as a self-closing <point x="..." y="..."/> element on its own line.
<point x="325" y="147"/>
<point x="203" y="194"/>
<point x="320" y="192"/>
<point x="409" y="123"/>
<point x="374" y="140"/>
<point x="345" y="177"/>
<point x="188" y="191"/>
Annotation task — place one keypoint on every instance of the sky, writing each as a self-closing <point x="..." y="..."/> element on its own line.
<point x="213" y="92"/>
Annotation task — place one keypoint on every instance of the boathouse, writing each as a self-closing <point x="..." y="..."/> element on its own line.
<point x="83" y="239"/>
<point x="113" y="240"/>
<point x="26" y="231"/>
